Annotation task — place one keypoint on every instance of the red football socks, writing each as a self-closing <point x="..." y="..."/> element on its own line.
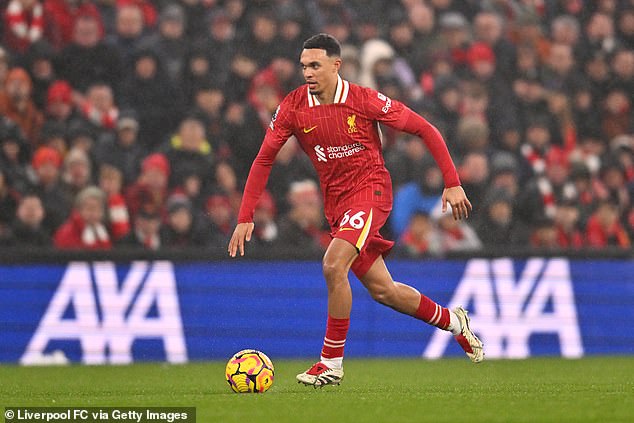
<point x="335" y="339"/>
<point x="432" y="313"/>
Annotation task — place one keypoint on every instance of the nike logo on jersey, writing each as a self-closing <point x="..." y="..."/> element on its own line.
<point x="346" y="229"/>
<point x="307" y="130"/>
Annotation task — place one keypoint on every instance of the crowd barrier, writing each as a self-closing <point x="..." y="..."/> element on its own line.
<point x="106" y="311"/>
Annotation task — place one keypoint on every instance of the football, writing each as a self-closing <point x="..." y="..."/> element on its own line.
<point x="250" y="371"/>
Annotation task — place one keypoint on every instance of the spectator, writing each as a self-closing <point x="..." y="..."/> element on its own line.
<point x="146" y="229"/>
<point x="600" y="35"/>
<point x="262" y="38"/>
<point x="189" y="151"/>
<point x="243" y="67"/>
<point x="497" y="228"/>
<point x="150" y="189"/>
<point x="8" y="201"/>
<point x="14" y="155"/>
<point x="98" y="107"/>
<point x="198" y="72"/>
<point x="455" y="36"/>
<point x="544" y="235"/>
<point x="488" y="27"/>
<point x="616" y="113"/>
<point x="23" y="23"/>
<point x="39" y="63"/>
<point x="220" y="38"/>
<point x="183" y="229"/>
<point x="301" y="228"/>
<point x="227" y="184"/>
<point x="474" y="175"/>
<point x="85" y="229"/>
<point x="169" y="41"/>
<point x="566" y="221"/>
<point x="422" y="195"/>
<point x="406" y="160"/>
<point x="448" y="98"/>
<point x="46" y="164"/>
<point x="88" y="59"/>
<point x="77" y="172"/>
<point x="604" y="228"/>
<point x="59" y="105"/>
<point x="622" y="66"/>
<point x="290" y="167"/>
<point x="28" y="228"/>
<point x="504" y="171"/>
<point x="121" y="148"/>
<point x="560" y="71"/>
<point x="17" y="104"/>
<point x="128" y="34"/>
<point x="243" y="134"/>
<point x="61" y="17"/>
<point x="614" y="180"/>
<point x="209" y="102"/>
<point x="266" y="231"/>
<point x="111" y="182"/>
<point x="150" y="16"/>
<point x="195" y="12"/>
<point x="221" y="218"/>
<point x="421" y="237"/>
<point x="149" y="92"/>
<point x="456" y="235"/>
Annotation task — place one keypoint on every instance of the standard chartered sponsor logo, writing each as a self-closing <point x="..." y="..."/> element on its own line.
<point x="321" y="156"/>
<point x="338" y="151"/>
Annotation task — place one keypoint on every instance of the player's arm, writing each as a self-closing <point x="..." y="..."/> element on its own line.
<point x="276" y="135"/>
<point x="397" y="115"/>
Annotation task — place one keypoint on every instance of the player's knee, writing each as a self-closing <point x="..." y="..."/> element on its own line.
<point x="334" y="271"/>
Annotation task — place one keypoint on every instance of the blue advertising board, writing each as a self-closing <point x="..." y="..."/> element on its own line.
<point x="106" y="312"/>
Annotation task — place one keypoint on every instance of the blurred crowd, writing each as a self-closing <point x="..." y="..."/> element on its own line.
<point x="133" y="123"/>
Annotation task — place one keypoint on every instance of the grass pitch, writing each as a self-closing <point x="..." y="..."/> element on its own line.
<point x="597" y="389"/>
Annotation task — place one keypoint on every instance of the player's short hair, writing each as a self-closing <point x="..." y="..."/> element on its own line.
<point x="325" y="42"/>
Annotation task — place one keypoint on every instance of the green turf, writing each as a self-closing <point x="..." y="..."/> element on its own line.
<point x="537" y="390"/>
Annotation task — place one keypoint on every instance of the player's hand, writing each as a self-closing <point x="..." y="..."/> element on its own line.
<point x="241" y="234"/>
<point x="457" y="199"/>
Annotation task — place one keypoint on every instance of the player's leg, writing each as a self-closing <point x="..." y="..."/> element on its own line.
<point x="336" y="264"/>
<point x="408" y="300"/>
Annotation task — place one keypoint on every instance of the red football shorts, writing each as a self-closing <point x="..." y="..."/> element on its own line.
<point x="360" y="226"/>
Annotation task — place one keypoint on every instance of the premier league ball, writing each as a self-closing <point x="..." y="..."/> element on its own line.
<point x="250" y="371"/>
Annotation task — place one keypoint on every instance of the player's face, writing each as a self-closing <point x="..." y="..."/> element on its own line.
<point x="319" y="70"/>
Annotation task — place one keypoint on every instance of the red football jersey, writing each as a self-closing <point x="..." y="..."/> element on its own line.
<point x="343" y="140"/>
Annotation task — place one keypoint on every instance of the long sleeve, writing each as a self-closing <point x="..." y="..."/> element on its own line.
<point x="277" y="134"/>
<point x="415" y="124"/>
<point x="256" y="181"/>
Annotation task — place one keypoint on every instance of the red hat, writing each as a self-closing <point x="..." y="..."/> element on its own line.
<point x="46" y="155"/>
<point x="556" y="156"/>
<point x="156" y="161"/>
<point x="480" y="52"/>
<point x="60" y="91"/>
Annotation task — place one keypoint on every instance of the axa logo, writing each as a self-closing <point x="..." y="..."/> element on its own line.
<point x="107" y="315"/>
<point x="321" y="154"/>
<point x="508" y="309"/>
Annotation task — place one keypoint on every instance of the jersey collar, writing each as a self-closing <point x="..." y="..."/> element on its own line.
<point x="341" y="93"/>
